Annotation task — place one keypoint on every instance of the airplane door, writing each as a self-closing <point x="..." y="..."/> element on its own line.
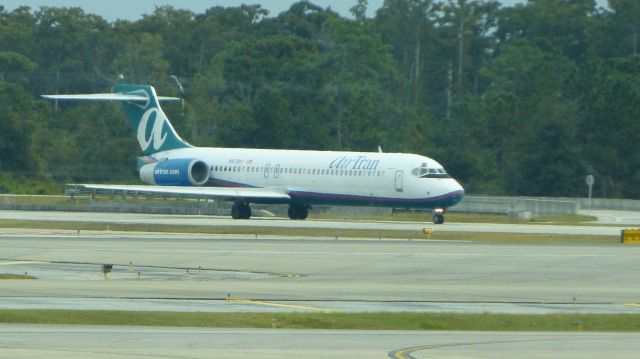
<point x="399" y="175"/>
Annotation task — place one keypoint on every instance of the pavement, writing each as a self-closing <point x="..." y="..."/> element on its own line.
<point x="248" y="273"/>
<point x="76" y="341"/>
<point x="610" y="217"/>
<point x="327" y="274"/>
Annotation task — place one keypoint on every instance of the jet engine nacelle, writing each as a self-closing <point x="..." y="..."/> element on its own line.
<point x="176" y="172"/>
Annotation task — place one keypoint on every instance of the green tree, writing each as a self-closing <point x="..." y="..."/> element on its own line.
<point x="610" y="128"/>
<point x="551" y="25"/>
<point x="525" y="83"/>
<point x="68" y="43"/>
<point x="409" y="25"/>
<point x="625" y="21"/>
<point x="16" y="122"/>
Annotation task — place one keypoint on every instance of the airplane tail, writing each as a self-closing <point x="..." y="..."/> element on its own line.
<point x="142" y="106"/>
<point x="151" y="125"/>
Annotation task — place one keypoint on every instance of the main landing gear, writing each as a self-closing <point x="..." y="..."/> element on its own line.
<point x="241" y="210"/>
<point x="298" y="212"/>
<point x="438" y="216"/>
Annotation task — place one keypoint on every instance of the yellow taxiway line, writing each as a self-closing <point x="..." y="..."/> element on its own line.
<point x="631" y="304"/>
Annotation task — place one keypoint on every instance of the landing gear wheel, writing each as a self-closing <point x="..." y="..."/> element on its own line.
<point x="438" y="218"/>
<point x="245" y="212"/>
<point x="241" y="211"/>
<point x="298" y="212"/>
<point x="304" y="213"/>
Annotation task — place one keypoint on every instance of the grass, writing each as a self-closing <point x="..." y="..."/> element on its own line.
<point x="313" y="232"/>
<point x="362" y="321"/>
<point x="458" y="217"/>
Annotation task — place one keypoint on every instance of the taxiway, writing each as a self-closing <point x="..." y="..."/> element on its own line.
<point x="393" y="275"/>
<point x="61" y="341"/>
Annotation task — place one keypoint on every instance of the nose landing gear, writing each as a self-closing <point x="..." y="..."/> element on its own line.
<point x="438" y="216"/>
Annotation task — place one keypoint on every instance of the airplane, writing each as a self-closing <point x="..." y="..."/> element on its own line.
<point x="300" y="179"/>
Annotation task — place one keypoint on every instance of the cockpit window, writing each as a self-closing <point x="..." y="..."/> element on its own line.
<point x="426" y="172"/>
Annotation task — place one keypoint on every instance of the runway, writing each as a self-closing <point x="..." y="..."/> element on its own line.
<point x="325" y="274"/>
<point x="240" y="273"/>
<point x="157" y="219"/>
<point x="53" y="342"/>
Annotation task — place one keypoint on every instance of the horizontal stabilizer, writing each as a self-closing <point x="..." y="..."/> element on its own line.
<point x="107" y="97"/>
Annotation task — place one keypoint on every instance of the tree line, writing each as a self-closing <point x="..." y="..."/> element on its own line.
<point x="517" y="100"/>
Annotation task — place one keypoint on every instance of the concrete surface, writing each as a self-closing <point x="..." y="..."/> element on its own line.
<point x="72" y="342"/>
<point x="291" y="269"/>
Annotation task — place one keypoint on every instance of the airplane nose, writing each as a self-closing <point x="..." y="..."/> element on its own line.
<point x="460" y="192"/>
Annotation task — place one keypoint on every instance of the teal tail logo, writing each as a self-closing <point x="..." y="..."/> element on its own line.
<point x="153" y="129"/>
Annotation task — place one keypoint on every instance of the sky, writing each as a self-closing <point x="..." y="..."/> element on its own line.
<point x="132" y="10"/>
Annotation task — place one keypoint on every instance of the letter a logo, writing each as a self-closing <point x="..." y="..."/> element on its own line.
<point x="156" y="136"/>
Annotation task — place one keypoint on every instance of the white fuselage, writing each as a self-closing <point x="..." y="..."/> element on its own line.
<point x="330" y="177"/>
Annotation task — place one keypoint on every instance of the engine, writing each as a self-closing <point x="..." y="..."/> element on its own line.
<point x="176" y="172"/>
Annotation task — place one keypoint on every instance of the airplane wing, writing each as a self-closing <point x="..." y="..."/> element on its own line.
<point x="250" y="194"/>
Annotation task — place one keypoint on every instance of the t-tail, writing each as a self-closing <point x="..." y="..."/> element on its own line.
<point x="142" y="106"/>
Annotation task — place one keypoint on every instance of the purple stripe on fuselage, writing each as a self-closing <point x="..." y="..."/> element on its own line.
<point x="344" y="197"/>
<point x="372" y="198"/>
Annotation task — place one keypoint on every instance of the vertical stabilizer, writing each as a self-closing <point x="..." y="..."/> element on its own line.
<point x="149" y="123"/>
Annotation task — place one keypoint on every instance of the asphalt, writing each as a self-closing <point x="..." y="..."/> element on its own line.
<point x="236" y="273"/>
<point x="327" y="274"/>
<point x="71" y="342"/>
